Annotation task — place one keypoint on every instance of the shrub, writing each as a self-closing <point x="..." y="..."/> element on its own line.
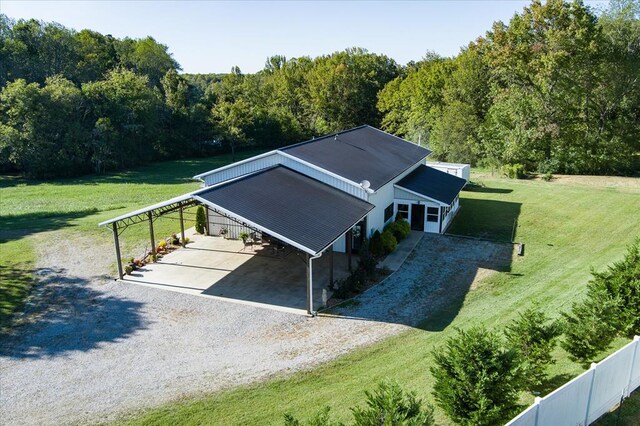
<point x="388" y="404"/>
<point x="477" y="380"/>
<point x="547" y="177"/>
<point x="375" y="245"/>
<point x="389" y="242"/>
<point x="201" y="220"/>
<point x="400" y="229"/>
<point x="321" y="418"/>
<point x="514" y="171"/>
<point x="589" y="329"/>
<point x="534" y="336"/>
<point x="367" y="261"/>
<point x="404" y="228"/>
<point x="244" y="236"/>
<point x="128" y="269"/>
<point x="612" y="307"/>
<point x="352" y="284"/>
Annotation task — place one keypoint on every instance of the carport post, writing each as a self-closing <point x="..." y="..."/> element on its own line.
<point x="206" y="211"/>
<point x="153" y="240"/>
<point x="331" y="267"/>
<point x="182" y="228"/>
<point x="116" y="242"/>
<point x="309" y="285"/>
<point x="349" y="248"/>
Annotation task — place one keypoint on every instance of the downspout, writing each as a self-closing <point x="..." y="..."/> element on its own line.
<point x="310" y="259"/>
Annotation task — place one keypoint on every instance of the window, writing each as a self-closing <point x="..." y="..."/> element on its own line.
<point x="432" y="214"/>
<point x="388" y="213"/>
<point x="403" y="211"/>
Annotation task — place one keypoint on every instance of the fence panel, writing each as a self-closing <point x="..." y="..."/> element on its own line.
<point x="612" y="378"/>
<point x="567" y="405"/>
<point x="590" y="395"/>
<point x="526" y="418"/>
<point x="635" y="370"/>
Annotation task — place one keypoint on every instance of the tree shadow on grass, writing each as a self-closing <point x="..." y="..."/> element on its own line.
<point x="15" y="284"/>
<point x="490" y="219"/>
<point x="68" y="315"/>
<point x="551" y="384"/>
<point x="484" y="189"/>
<point x="14" y="227"/>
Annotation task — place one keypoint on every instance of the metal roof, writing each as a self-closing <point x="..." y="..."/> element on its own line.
<point x="433" y="183"/>
<point x="361" y="153"/>
<point x="302" y="211"/>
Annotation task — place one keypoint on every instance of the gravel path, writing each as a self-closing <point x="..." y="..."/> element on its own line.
<point x="91" y="348"/>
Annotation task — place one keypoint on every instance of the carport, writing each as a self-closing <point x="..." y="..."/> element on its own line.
<point x="296" y="210"/>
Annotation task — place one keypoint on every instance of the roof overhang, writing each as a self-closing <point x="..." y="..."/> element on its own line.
<point x="296" y="209"/>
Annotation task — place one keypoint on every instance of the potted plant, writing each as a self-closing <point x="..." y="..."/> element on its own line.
<point x="244" y="236"/>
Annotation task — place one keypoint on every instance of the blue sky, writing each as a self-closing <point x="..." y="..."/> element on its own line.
<point x="208" y="36"/>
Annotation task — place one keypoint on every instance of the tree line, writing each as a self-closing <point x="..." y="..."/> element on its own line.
<point x="554" y="90"/>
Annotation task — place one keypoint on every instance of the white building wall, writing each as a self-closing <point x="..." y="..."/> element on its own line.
<point x="340" y="245"/>
<point x="381" y="199"/>
<point x="217" y="222"/>
<point x="461" y="170"/>
<point x="243" y="168"/>
<point x="314" y="173"/>
<point x="454" y="207"/>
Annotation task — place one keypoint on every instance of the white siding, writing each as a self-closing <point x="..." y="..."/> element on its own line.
<point x="241" y="169"/>
<point x="340" y="184"/>
<point x="217" y="222"/>
<point x="406" y="195"/>
<point x="455" y="206"/>
<point x="461" y="170"/>
<point x="340" y="245"/>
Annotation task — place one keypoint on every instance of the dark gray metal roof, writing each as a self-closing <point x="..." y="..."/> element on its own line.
<point x="361" y="153"/>
<point x="286" y="203"/>
<point x="433" y="183"/>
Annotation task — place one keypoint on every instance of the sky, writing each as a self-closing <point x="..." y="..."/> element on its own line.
<point x="213" y="36"/>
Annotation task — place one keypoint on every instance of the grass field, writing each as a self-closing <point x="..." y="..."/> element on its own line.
<point x="29" y="208"/>
<point x="567" y="229"/>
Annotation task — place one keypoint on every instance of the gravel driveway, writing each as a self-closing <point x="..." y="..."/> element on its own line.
<point x="91" y="348"/>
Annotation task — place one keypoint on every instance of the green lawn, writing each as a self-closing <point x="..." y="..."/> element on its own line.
<point x="567" y="230"/>
<point x="30" y="207"/>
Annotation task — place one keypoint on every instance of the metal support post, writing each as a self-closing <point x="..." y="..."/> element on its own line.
<point x="116" y="242"/>
<point x="182" y="228"/>
<point x="153" y="240"/>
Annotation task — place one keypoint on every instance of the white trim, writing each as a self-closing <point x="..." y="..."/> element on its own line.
<point x="420" y="195"/>
<point x="325" y="171"/>
<point x="255" y="225"/>
<point x="237" y="163"/>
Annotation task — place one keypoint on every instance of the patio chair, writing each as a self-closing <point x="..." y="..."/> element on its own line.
<point x="257" y="238"/>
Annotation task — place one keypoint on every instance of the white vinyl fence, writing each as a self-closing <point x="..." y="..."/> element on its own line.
<point x="590" y="395"/>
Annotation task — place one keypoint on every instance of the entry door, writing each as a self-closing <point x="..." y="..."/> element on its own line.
<point x="433" y="219"/>
<point x="417" y="217"/>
